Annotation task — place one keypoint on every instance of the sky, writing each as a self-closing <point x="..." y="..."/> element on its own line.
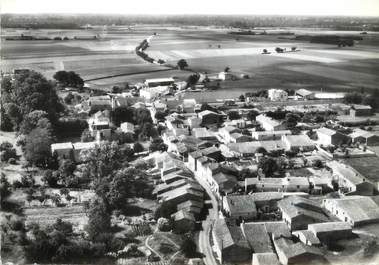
<point x="253" y="7"/>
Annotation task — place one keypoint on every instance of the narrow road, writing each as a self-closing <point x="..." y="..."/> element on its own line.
<point x="204" y="243"/>
<point x="151" y="249"/>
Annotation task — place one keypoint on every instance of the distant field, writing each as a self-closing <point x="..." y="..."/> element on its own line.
<point x="112" y="58"/>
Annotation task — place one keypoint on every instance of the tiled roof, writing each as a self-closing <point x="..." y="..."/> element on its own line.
<point x="240" y="204"/>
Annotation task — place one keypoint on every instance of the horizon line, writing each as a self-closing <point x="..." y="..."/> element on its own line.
<point x="188" y="14"/>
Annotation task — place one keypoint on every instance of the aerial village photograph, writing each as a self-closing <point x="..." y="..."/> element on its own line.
<point x="202" y="132"/>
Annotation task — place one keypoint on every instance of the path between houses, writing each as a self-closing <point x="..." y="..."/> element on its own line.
<point x="205" y="245"/>
<point x="151" y="249"/>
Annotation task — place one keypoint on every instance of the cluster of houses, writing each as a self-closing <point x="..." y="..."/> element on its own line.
<point x="266" y="220"/>
<point x="305" y="225"/>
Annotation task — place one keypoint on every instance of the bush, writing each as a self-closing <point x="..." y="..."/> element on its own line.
<point x="188" y="247"/>
<point x="138" y="148"/>
<point x="165" y="210"/>
<point x="7" y="151"/>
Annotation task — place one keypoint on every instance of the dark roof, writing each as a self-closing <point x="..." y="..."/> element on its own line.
<point x="366" y="166"/>
<point x="240" y="204"/>
<point x="292" y="250"/>
<point x="227" y="236"/>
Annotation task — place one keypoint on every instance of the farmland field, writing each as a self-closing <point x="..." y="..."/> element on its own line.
<point x="110" y="59"/>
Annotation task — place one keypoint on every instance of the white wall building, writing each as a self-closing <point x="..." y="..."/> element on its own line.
<point x="277" y="94"/>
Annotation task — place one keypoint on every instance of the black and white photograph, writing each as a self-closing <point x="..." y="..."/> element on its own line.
<point x="201" y="132"/>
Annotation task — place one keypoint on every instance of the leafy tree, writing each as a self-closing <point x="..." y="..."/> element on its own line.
<point x="29" y="194"/>
<point x="37" y="147"/>
<point x="27" y="181"/>
<point x="28" y="92"/>
<point x="142" y="116"/>
<point x="242" y="98"/>
<point x="292" y="119"/>
<point x="160" y="115"/>
<point x="188" y="247"/>
<point x="252" y="114"/>
<point x="122" y="137"/>
<point x="69" y="79"/>
<point x="165" y="210"/>
<point x="13" y="114"/>
<point x="56" y="199"/>
<point x="261" y="150"/>
<point x="34" y="119"/>
<point x="102" y="160"/>
<point x="7" y="151"/>
<point x="182" y="64"/>
<point x="122" y="114"/>
<point x="99" y="219"/>
<point x="126" y="183"/>
<point x="66" y="168"/>
<point x="158" y="145"/>
<point x="353" y="98"/>
<point x="192" y="80"/>
<point x="51" y="178"/>
<point x="87" y="136"/>
<point x="269" y="166"/>
<point x="138" y="147"/>
<point x="5" y="189"/>
<point x="148" y="130"/>
<point x="63" y="227"/>
<point x="234" y="115"/>
<point x="5" y="122"/>
<point x="372" y="100"/>
<point x="206" y="106"/>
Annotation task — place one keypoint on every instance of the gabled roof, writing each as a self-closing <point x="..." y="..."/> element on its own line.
<point x="292" y="250"/>
<point x="329" y="227"/>
<point x="262" y="118"/>
<point x="304" y="92"/>
<point x="358" y="208"/>
<point x="266" y="196"/>
<point x="308" y="235"/>
<point x="230" y="129"/>
<point x="223" y="178"/>
<point x="240" y="204"/>
<point x="361" y="133"/>
<point x="295" y="206"/>
<point x="180" y="215"/>
<point x="190" y="203"/>
<point x="265" y="259"/>
<point x="239" y="135"/>
<point x="345" y="172"/>
<point x="326" y="131"/>
<point x="227" y="236"/>
<point x="258" y="234"/>
<point x="361" y="107"/>
<point x="60" y="146"/>
<point x="299" y="140"/>
<point x="207" y="112"/>
<point x="87" y="145"/>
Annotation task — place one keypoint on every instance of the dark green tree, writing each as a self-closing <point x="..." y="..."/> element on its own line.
<point x="37" y="147"/>
<point x="182" y="64"/>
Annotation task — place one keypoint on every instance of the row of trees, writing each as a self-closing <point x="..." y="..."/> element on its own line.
<point x="371" y="99"/>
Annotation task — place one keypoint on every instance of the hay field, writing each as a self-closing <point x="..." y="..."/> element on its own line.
<point x="206" y="50"/>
